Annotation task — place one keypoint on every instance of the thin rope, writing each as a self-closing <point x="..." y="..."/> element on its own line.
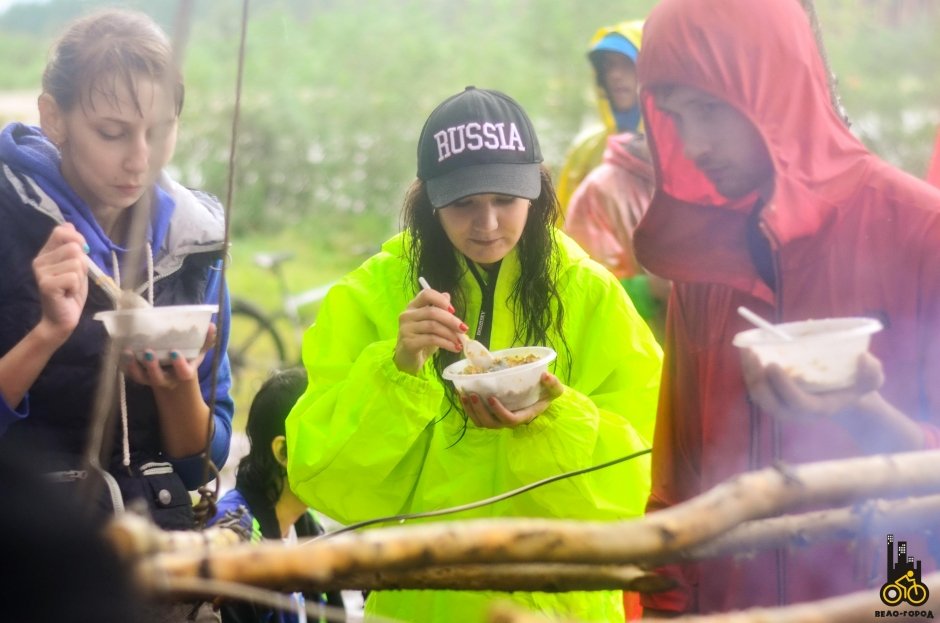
<point x="230" y="191"/>
<point x="491" y="500"/>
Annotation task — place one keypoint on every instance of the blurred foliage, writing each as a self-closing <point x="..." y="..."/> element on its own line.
<point x="27" y="54"/>
<point x="335" y="91"/>
<point x="886" y="63"/>
<point x="335" y="94"/>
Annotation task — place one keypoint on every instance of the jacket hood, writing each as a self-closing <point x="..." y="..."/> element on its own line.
<point x="632" y="31"/>
<point x="182" y="221"/>
<point x="762" y="58"/>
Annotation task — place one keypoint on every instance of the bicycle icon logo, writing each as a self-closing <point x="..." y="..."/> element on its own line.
<point x="914" y="593"/>
<point x="904" y="582"/>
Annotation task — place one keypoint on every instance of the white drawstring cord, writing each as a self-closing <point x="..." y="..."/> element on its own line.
<point x="122" y="384"/>
<point x="125" y="441"/>
<point x="150" y="273"/>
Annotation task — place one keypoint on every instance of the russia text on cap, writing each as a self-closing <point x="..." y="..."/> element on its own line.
<point x="476" y="136"/>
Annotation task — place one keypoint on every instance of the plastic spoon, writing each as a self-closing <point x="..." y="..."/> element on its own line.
<point x="477" y="353"/>
<point x="472" y="349"/>
<point x="757" y="321"/>
<point x="123" y="299"/>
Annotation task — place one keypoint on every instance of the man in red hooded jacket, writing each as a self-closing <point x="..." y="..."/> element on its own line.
<point x="764" y="199"/>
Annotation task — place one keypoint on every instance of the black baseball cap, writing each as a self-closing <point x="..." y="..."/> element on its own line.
<point x="479" y="141"/>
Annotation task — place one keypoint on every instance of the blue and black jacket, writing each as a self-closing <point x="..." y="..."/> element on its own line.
<point x="186" y="234"/>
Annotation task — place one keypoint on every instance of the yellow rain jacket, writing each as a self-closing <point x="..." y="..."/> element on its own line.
<point x="367" y="440"/>
<point x="587" y="150"/>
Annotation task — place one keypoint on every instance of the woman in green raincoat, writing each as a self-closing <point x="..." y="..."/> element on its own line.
<point x="379" y="432"/>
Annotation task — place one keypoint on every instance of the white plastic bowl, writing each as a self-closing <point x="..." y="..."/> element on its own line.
<point x="182" y="328"/>
<point x="823" y="355"/>
<point x="516" y="387"/>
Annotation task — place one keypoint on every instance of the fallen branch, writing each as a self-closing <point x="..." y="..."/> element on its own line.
<point x="549" y="578"/>
<point x="870" y="517"/>
<point x="135" y="537"/>
<point x="648" y="540"/>
<point x="851" y="608"/>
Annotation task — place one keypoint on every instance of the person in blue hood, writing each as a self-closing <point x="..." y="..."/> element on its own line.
<point x="109" y="109"/>
<point x="612" y="53"/>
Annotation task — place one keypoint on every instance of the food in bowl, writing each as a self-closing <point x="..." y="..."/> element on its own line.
<point x="180" y="328"/>
<point x="516" y="381"/>
<point x="501" y="363"/>
<point x="823" y="355"/>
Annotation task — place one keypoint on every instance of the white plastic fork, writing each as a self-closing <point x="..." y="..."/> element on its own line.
<point x="123" y="299"/>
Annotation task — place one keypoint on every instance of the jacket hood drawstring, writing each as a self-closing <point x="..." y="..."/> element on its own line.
<point x="122" y="383"/>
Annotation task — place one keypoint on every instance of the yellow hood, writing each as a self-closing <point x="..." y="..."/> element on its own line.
<point x="632" y="31"/>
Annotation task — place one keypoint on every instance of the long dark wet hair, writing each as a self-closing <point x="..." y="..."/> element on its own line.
<point x="534" y="295"/>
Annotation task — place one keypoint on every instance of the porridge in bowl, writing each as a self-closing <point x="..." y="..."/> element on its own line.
<point x="514" y="381"/>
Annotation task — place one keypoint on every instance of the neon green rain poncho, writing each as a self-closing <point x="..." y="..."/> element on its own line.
<point x="367" y="440"/>
<point x="587" y="149"/>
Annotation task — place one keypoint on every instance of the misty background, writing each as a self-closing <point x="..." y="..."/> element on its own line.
<point x="336" y="91"/>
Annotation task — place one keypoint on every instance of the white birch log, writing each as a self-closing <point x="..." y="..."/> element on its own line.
<point x="650" y="539"/>
<point x="549" y="578"/>
<point x="546" y="577"/>
<point x="851" y="608"/>
<point x="867" y="518"/>
<point x="135" y="537"/>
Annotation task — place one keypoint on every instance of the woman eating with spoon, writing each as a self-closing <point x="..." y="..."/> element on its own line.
<point x="69" y="193"/>
<point x="380" y="433"/>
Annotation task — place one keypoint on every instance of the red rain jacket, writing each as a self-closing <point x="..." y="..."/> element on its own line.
<point x="850" y="235"/>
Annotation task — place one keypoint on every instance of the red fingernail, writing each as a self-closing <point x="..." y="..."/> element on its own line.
<point x="463" y="327"/>
<point x="458" y="345"/>
<point x="475" y="399"/>
<point x="451" y="309"/>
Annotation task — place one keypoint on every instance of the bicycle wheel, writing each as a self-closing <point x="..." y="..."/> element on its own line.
<point x="255" y="349"/>
<point x="891" y="594"/>
<point x="917" y="594"/>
